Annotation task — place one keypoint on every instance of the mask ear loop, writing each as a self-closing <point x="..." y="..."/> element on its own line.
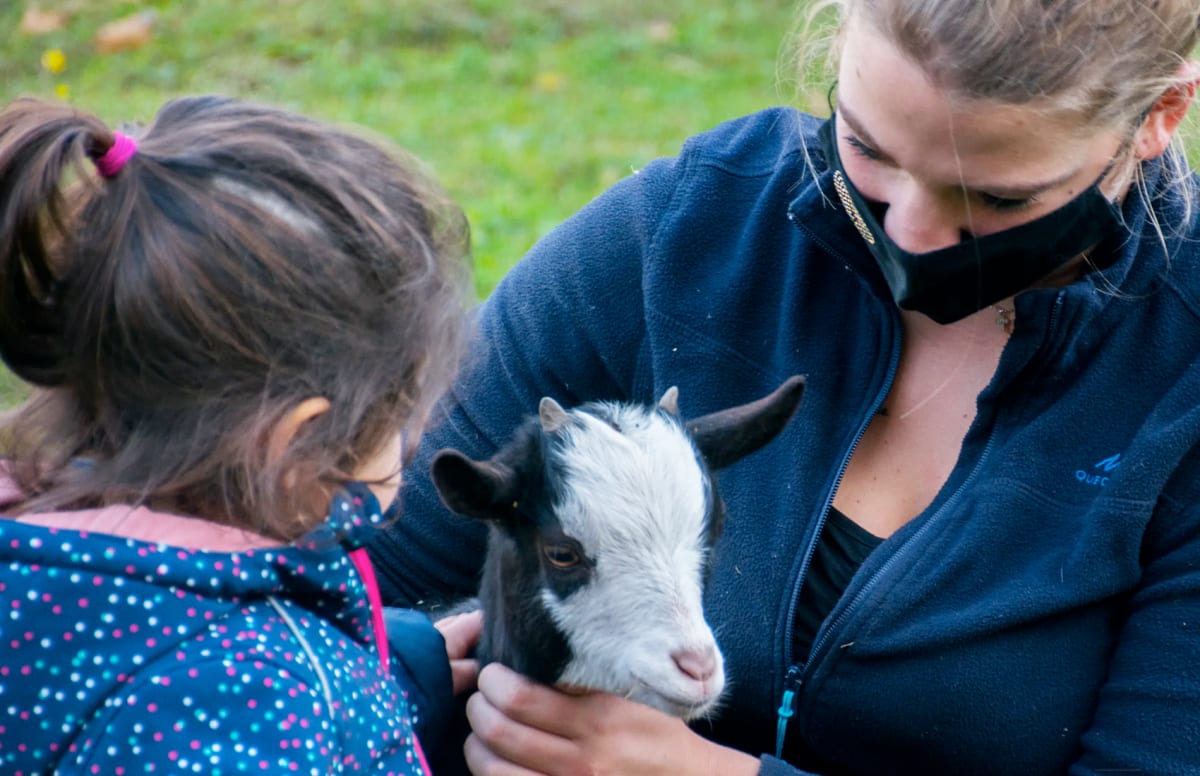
<point x="1094" y="269"/>
<point x="829" y="97"/>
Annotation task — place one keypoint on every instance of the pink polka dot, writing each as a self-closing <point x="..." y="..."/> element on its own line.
<point x="83" y="603"/>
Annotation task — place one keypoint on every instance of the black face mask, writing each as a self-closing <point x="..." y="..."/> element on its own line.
<point x="951" y="283"/>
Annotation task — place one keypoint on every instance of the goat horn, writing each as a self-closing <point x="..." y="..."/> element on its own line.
<point x="726" y="436"/>
<point x="670" y="401"/>
<point x="552" y="415"/>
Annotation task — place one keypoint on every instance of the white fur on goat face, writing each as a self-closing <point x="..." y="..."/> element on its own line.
<point x="639" y="502"/>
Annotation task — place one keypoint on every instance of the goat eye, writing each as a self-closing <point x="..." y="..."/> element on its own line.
<point x="561" y="556"/>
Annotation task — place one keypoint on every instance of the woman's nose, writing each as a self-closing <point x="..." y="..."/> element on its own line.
<point x="919" y="222"/>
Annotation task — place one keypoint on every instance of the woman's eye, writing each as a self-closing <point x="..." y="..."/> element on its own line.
<point x="863" y="150"/>
<point x="561" y="556"/>
<point x="1006" y="203"/>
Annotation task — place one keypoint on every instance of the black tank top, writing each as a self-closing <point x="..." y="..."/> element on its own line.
<point x="841" y="550"/>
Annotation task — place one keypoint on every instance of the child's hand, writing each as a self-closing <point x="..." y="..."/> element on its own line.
<point x="461" y="632"/>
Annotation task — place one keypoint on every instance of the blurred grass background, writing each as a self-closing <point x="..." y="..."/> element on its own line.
<point x="524" y="110"/>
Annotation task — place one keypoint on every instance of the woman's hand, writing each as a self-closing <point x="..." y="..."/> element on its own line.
<point x="461" y="632"/>
<point x="520" y="728"/>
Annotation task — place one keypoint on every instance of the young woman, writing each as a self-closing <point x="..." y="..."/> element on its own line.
<point x="977" y="548"/>
<point x="236" y="322"/>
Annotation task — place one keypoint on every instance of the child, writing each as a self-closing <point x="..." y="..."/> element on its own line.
<point x="236" y="325"/>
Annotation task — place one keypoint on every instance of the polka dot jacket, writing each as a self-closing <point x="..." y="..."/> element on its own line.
<point x="119" y="656"/>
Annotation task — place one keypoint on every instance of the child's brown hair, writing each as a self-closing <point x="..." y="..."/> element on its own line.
<point x="244" y="259"/>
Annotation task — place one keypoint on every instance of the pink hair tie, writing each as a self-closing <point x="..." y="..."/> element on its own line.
<point x="122" y="150"/>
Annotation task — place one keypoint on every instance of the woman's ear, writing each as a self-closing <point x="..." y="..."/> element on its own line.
<point x="287" y="427"/>
<point x="1156" y="131"/>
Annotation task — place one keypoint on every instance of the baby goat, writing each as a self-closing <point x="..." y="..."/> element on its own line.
<point x="603" y="519"/>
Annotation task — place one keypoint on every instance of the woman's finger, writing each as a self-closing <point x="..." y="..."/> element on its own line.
<point x="514" y="741"/>
<point x="530" y="703"/>
<point x="463" y="675"/>
<point x="482" y="761"/>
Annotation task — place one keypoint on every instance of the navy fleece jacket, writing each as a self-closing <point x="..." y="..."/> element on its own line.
<point x="1042" y="616"/>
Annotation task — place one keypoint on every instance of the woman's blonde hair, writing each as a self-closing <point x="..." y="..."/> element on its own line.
<point x="1100" y="64"/>
<point x="1102" y="61"/>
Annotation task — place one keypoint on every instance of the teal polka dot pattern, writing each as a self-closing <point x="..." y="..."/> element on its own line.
<point x="126" y="657"/>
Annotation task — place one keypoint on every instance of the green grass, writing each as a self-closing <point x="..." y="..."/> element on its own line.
<point x="525" y="111"/>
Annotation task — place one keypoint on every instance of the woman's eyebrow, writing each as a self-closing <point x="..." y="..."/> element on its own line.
<point x="1026" y="189"/>
<point x="1005" y="191"/>
<point x="855" y="126"/>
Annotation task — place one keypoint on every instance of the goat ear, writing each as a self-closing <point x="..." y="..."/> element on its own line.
<point x="670" y="401"/>
<point x="472" y="488"/>
<point x="729" y="435"/>
<point x="552" y="415"/>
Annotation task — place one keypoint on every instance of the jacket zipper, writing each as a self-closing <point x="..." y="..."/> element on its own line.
<point x="914" y="540"/>
<point x="787" y="707"/>
<point x="793" y="678"/>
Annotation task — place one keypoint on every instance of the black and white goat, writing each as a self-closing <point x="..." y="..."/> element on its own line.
<point x="603" y="519"/>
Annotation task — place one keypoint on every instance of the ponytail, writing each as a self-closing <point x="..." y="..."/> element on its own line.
<point x="42" y="147"/>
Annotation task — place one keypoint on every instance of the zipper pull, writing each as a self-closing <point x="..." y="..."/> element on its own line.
<point x="787" y="707"/>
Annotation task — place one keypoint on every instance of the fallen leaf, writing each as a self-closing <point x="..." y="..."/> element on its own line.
<point x="660" y="30"/>
<point x="37" y="21"/>
<point x="127" y="33"/>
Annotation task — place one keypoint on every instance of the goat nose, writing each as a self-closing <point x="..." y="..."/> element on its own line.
<point x="699" y="664"/>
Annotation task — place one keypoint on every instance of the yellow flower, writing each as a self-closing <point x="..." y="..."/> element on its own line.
<point x="54" y="60"/>
<point x="63" y="91"/>
<point x="549" y="81"/>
